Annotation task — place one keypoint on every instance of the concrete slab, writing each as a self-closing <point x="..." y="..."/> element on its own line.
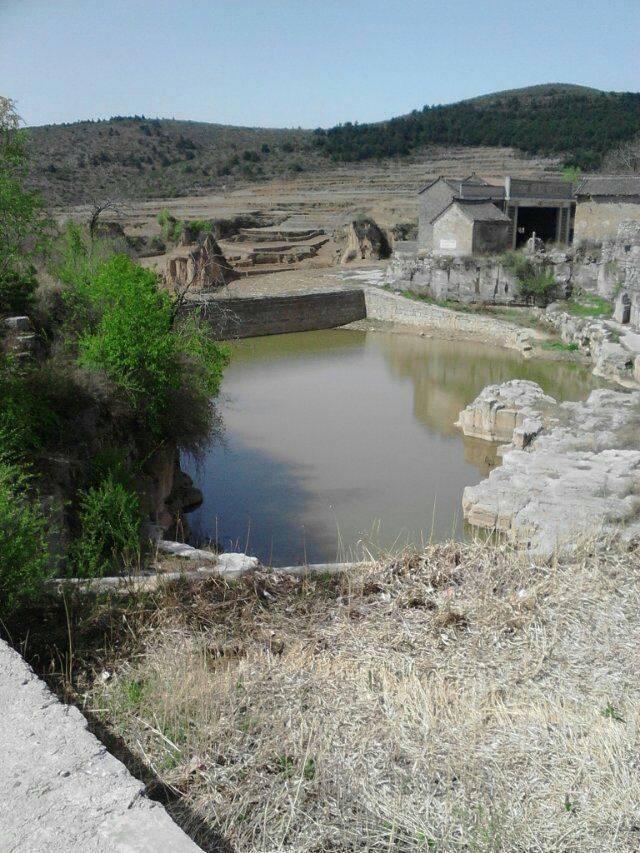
<point x="60" y="789"/>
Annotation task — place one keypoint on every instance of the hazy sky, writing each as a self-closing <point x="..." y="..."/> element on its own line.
<point x="302" y="63"/>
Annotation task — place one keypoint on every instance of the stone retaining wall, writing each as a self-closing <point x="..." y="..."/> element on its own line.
<point x="390" y="307"/>
<point x="274" y="315"/>
<point x="484" y="279"/>
<point x="60" y="789"/>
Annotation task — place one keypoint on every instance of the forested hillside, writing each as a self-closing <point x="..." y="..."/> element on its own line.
<point x="579" y="123"/>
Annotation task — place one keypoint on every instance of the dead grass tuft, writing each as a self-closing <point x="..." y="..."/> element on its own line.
<point x="458" y="699"/>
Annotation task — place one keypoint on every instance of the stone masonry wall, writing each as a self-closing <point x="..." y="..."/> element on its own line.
<point x="460" y="279"/>
<point x="274" y="315"/>
<point x="389" y="307"/>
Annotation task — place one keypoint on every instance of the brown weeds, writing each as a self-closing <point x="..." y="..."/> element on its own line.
<point x="458" y="699"/>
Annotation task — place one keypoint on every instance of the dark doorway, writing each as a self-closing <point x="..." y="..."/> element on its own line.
<point x="542" y="220"/>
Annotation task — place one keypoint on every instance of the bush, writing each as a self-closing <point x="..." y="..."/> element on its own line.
<point x="109" y="539"/>
<point x="24" y="554"/>
<point x="157" y="244"/>
<point x="194" y="229"/>
<point x="27" y="419"/>
<point x="139" y="344"/>
<point x="171" y="227"/>
<point x="536" y="283"/>
<point x="77" y="258"/>
<point x="16" y="291"/>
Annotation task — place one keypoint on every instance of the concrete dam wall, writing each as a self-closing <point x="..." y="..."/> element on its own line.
<point x="250" y="317"/>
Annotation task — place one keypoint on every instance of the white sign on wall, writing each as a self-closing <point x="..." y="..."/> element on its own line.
<point x="448" y="244"/>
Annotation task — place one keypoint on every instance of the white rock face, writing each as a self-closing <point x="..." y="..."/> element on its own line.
<point x="18" y="323"/>
<point x="580" y="475"/>
<point x="230" y="566"/>
<point x="507" y="412"/>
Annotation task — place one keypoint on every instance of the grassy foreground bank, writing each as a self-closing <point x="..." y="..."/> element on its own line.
<point x="461" y="698"/>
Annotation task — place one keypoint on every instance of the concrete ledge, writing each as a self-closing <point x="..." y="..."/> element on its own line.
<point x="128" y="584"/>
<point x="60" y="789"/>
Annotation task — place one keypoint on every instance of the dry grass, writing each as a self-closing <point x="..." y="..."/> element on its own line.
<point x="459" y="699"/>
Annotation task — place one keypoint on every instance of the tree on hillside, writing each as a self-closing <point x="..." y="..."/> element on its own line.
<point x="21" y="216"/>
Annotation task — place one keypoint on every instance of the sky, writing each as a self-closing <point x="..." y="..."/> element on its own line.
<point x="301" y="63"/>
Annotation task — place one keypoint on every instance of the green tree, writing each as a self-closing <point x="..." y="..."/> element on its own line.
<point x="134" y="336"/>
<point x="21" y="216"/>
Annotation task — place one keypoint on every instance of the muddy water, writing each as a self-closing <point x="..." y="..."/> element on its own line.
<point x="341" y="438"/>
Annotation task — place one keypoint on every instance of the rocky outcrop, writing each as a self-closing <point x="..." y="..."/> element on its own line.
<point x="598" y="341"/>
<point x="18" y="339"/>
<point x="579" y="475"/>
<point x="365" y="241"/>
<point x="473" y="279"/>
<point x="486" y="279"/>
<point x="620" y="261"/>
<point x="507" y="412"/>
<point x="201" y="269"/>
<point x="166" y="491"/>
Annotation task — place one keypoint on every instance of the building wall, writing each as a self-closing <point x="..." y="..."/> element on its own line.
<point x="453" y="233"/>
<point x="494" y="236"/>
<point x="598" y="218"/>
<point x="432" y="202"/>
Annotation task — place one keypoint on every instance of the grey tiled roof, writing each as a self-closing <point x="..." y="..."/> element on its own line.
<point x="477" y="211"/>
<point x="615" y="185"/>
<point x="454" y="183"/>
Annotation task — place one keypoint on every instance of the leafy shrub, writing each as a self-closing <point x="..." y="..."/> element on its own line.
<point x="138" y="343"/>
<point x="24" y="555"/>
<point x="536" y="284"/>
<point x="171" y="227"/>
<point x="27" y="419"/>
<point x="109" y="530"/>
<point x="194" y="229"/>
<point x="572" y="173"/>
<point x="16" y="291"/>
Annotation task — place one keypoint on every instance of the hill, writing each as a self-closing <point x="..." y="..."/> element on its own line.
<point x="543" y="91"/>
<point x="580" y="124"/>
<point x="137" y="157"/>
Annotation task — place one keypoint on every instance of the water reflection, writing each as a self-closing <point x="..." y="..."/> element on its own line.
<point x="338" y="437"/>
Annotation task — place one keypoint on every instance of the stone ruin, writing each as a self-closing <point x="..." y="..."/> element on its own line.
<point x="201" y="269"/>
<point x="619" y="273"/>
<point x="365" y="241"/>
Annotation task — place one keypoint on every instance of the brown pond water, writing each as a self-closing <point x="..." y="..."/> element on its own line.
<point x="341" y="438"/>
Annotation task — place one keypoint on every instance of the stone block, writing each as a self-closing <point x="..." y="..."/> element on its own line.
<point x="18" y="324"/>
